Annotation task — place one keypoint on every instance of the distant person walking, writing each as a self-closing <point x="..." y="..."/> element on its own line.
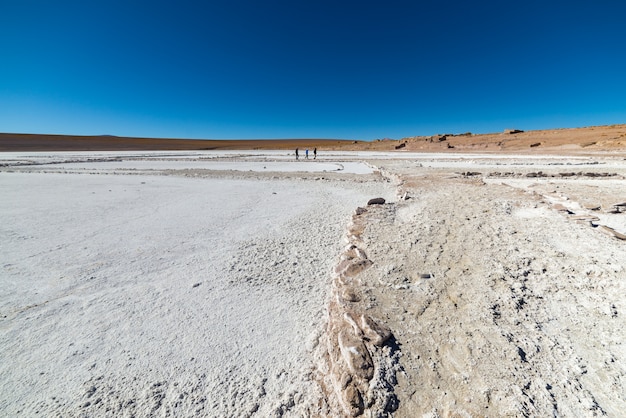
<point x="315" y="153"/>
<point x="306" y="154"/>
<point x="297" y="153"/>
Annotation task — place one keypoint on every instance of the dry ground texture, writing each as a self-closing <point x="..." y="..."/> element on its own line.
<point x="486" y="288"/>
<point x="502" y="300"/>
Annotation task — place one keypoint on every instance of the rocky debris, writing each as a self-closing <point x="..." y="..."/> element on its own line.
<point x="585" y="218"/>
<point x="560" y="208"/>
<point x="374" y="332"/>
<point x="593" y="206"/>
<point x="619" y="207"/>
<point x="354" y="341"/>
<point x="513" y="131"/>
<point x="535" y="144"/>
<point x="352" y="265"/>
<point x="400" y="146"/>
<point x="355" y="355"/>
<point x="612" y="232"/>
<point x="376" y="201"/>
<point x="594" y="174"/>
<point x="570" y="174"/>
<point x="536" y="174"/>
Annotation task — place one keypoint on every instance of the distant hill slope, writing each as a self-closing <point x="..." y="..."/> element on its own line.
<point x="36" y="142"/>
<point x="563" y="141"/>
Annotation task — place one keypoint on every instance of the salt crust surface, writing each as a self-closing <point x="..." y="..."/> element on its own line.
<point x="144" y="294"/>
<point x="185" y="293"/>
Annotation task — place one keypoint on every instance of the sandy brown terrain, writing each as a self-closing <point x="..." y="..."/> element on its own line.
<point x="32" y="142"/>
<point x="575" y="140"/>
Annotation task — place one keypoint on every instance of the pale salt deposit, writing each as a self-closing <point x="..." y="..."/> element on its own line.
<point x="124" y="295"/>
<point x="206" y="284"/>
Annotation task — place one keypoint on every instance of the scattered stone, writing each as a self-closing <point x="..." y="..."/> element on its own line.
<point x="537" y="174"/>
<point x="355" y="355"/>
<point x="348" y="317"/>
<point x="349" y="295"/>
<point x="376" y="201"/>
<point x="352" y="338"/>
<point x="589" y="218"/>
<point x="352" y="267"/>
<point x="353" y="401"/>
<point x="513" y="131"/>
<point x="593" y="207"/>
<point x="536" y="144"/>
<point x="425" y="276"/>
<point x="612" y="232"/>
<point x="377" y="333"/>
<point x="560" y="208"/>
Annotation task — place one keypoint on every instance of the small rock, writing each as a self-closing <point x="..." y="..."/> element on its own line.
<point x="610" y="231"/>
<point x="353" y="402"/>
<point x="375" y="332"/>
<point x="352" y="267"/>
<point x="355" y="354"/>
<point x="376" y="201"/>
<point x="349" y="295"/>
<point x="593" y="207"/>
<point x="585" y="218"/>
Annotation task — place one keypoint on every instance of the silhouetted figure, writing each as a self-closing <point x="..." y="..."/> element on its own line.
<point x="297" y="155"/>
<point x="315" y="153"/>
<point x="306" y="154"/>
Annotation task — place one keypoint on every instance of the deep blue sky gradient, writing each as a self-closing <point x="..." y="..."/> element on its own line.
<point x="313" y="69"/>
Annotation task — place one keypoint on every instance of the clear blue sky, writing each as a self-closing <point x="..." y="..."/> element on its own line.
<point x="309" y="69"/>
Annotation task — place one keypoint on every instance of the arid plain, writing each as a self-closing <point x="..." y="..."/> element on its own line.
<point x="154" y="278"/>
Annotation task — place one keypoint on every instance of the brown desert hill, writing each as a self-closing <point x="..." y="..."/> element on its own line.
<point x="587" y="140"/>
<point x="572" y="140"/>
<point x="39" y="142"/>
